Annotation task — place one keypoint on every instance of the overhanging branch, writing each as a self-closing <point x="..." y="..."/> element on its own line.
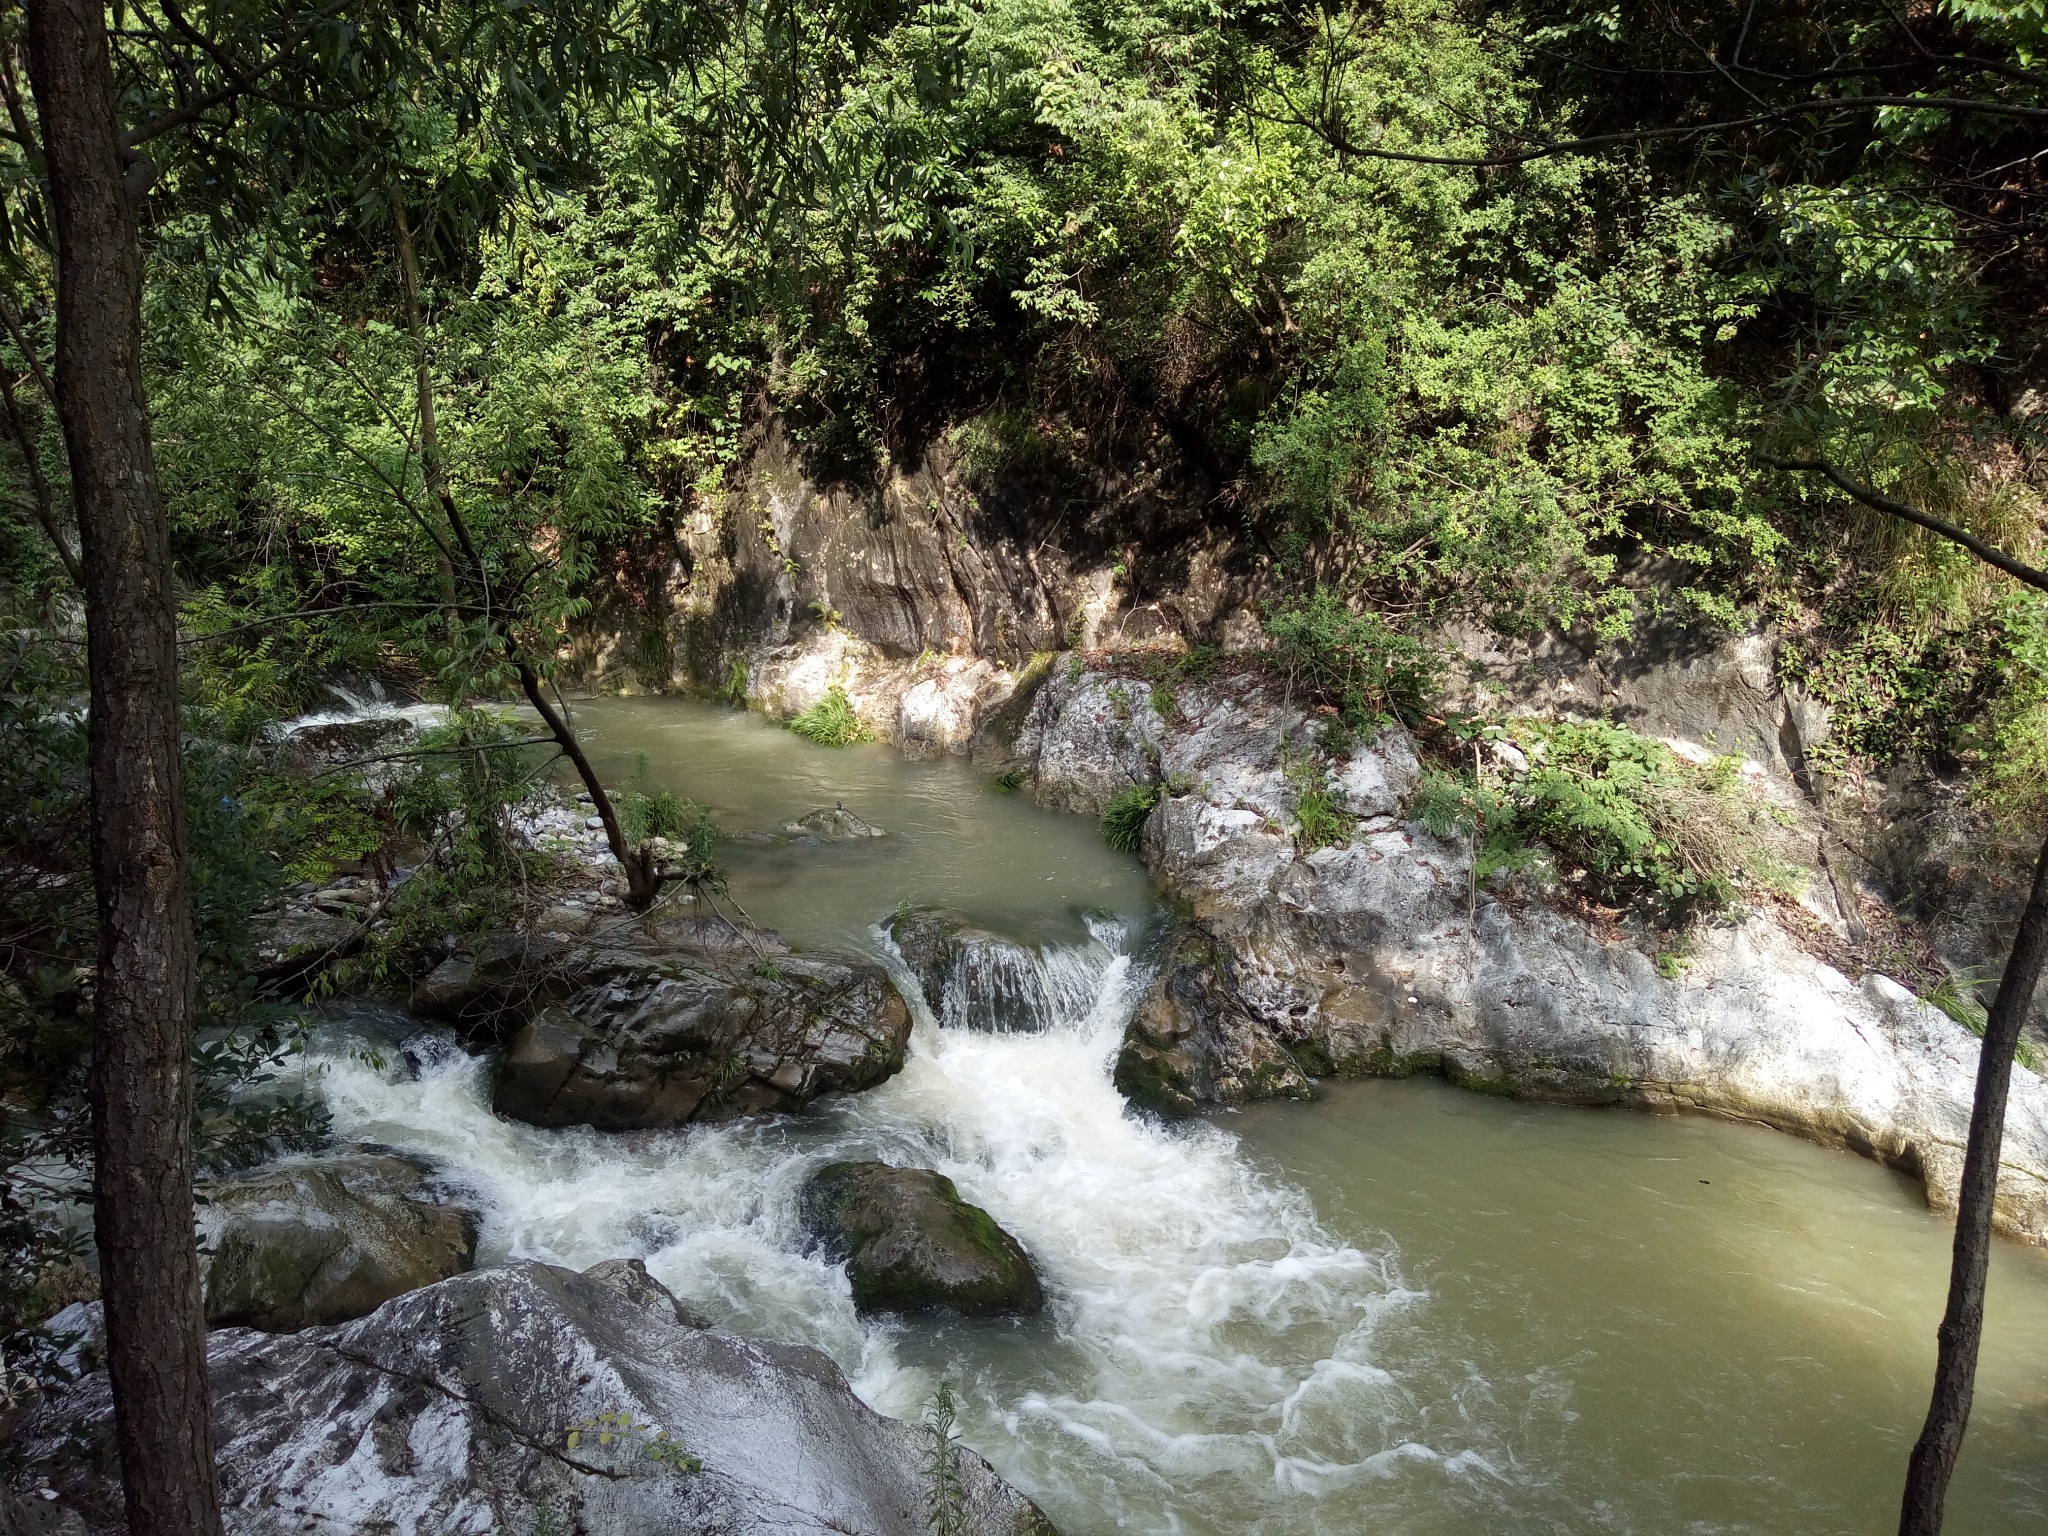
<point x="2019" y="570"/>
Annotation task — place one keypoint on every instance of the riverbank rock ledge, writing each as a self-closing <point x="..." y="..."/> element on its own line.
<point x="531" y="1398"/>
<point x="650" y="1024"/>
<point x="1378" y="956"/>
<point x="326" y="1239"/>
<point x="911" y="1244"/>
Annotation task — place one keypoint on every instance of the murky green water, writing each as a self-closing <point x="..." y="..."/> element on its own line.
<point x="1404" y="1309"/>
<point x="953" y="840"/>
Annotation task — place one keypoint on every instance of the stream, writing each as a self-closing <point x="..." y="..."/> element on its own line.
<point x="1402" y="1309"/>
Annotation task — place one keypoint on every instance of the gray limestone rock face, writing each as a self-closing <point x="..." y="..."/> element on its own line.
<point x="1381" y="955"/>
<point x="911" y="1244"/>
<point x="325" y="1239"/>
<point x="1089" y="736"/>
<point x="473" y="1406"/>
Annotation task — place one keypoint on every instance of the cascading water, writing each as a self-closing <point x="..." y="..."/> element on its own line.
<point x="1591" y="1323"/>
<point x="1200" y="1316"/>
<point x="995" y="984"/>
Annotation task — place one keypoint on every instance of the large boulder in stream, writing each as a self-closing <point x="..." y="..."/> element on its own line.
<point x="911" y="1244"/>
<point x="326" y="1239"/>
<point x="654" y="1023"/>
<point x="533" y="1398"/>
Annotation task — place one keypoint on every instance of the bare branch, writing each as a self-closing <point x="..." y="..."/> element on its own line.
<point x="2017" y="569"/>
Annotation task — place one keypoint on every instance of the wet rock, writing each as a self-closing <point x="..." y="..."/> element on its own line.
<point x="911" y="1244"/>
<point x="474" y="1404"/>
<point x="1380" y="955"/>
<point x="654" y="1025"/>
<point x="333" y="743"/>
<point x="973" y="979"/>
<point x="630" y="1279"/>
<point x="832" y="824"/>
<point x="326" y="1239"/>
<point x="1189" y="1045"/>
<point x="295" y="944"/>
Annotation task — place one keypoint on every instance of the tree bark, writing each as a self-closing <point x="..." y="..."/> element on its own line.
<point x="141" y="1083"/>
<point x="1962" y="1325"/>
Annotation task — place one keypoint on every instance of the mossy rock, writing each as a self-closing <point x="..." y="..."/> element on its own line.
<point x="325" y="1240"/>
<point x="1163" y="1081"/>
<point x="911" y="1244"/>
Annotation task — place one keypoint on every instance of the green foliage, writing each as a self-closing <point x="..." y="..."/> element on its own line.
<point x="734" y="689"/>
<point x="1009" y="781"/>
<point x="1320" y="820"/>
<point x="832" y="722"/>
<point x="645" y="811"/>
<point x="1124" y="818"/>
<point x="945" y="1495"/>
<point x="1957" y="998"/>
<point x="1617" y="814"/>
<point x="1370" y="671"/>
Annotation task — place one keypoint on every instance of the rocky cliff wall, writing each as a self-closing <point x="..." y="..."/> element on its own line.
<point x="1384" y="955"/>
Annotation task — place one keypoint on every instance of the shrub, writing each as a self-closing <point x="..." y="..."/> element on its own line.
<point x="645" y="811"/>
<point x="831" y="722"/>
<point x="1124" y="818"/>
<point x="1615" y="812"/>
<point x="1009" y="781"/>
<point x="1358" y="662"/>
<point x="1319" y="816"/>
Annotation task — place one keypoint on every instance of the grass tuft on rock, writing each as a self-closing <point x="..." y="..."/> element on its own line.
<point x="1124" y="818"/>
<point x="831" y="722"/>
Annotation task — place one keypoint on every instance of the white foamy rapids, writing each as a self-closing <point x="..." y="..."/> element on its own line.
<point x="1206" y="1361"/>
<point x="355" y="707"/>
<point x="999" y="985"/>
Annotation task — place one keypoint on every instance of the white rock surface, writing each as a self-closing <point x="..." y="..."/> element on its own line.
<point x="470" y="1407"/>
<point x="1381" y="956"/>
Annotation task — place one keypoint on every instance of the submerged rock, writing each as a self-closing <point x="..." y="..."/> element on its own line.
<point x="911" y="1244"/>
<point x="833" y="824"/>
<point x="652" y="1025"/>
<point x="477" y="1404"/>
<point x="326" y="1239"/>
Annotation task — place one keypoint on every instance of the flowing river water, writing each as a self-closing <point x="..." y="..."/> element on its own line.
<point x="1403" y="1309"/>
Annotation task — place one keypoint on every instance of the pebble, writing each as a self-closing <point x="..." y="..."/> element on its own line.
<point x="594" y="823"/>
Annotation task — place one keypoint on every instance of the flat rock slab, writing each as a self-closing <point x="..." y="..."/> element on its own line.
<point x="911" y="1244"/>
<point x="473" y="1406"/>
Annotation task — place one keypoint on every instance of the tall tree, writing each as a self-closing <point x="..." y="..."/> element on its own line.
<point x="141" y="1084"/>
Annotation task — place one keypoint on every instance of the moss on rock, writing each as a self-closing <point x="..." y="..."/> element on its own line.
<point x="911" y="1244"/>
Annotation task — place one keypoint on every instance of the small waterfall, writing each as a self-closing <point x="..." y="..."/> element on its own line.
<point x="1204" y="1332"/>
<point x="994" y="984"/>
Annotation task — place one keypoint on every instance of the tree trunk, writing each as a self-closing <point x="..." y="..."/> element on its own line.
<point x="1962" y="1325"/>
<point x="141" y="1085"/>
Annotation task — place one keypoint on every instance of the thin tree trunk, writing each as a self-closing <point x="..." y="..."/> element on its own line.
<point x="642" y="884"/>
<point x="1962" y="1325"/>
<point x="141" y="1083"/>
<point x="432" y="471"/>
